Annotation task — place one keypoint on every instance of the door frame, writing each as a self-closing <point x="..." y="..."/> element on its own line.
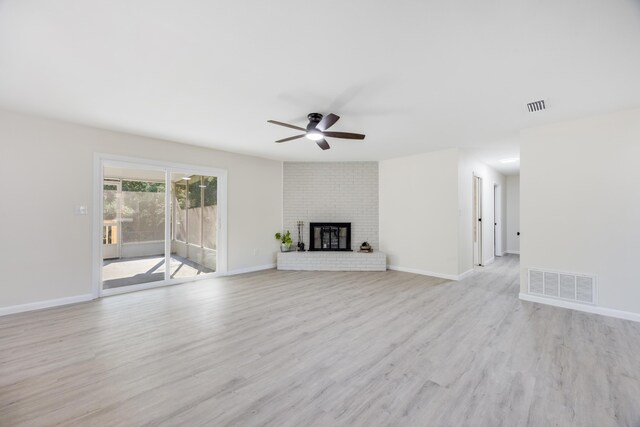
<point x="168" y="167"/>
<point x="477" y="221"/>
<point x="497" y="220"/>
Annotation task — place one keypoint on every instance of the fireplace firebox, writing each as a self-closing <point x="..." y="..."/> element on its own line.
<point x="330" y="236"/>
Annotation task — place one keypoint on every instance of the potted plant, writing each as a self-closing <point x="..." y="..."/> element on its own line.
<point x="285" y="238"/>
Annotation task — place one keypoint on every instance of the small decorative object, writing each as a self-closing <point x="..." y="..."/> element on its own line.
<point x="365" y="247"/>
<point x="285" y="238"/>
<point x="300" y="242"/>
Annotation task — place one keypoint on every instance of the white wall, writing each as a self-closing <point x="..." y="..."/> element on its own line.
<point x="419" y="212"/>
<point x="332" y="192"/>
<point x="426" y="212"/>
<point x="468" y="167"/>
<point x="580" y="203"/>
<point x="513" y="214"/>
<point x="46" y="168"/>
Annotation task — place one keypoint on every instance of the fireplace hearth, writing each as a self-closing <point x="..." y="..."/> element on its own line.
<point x="330" y="236"/>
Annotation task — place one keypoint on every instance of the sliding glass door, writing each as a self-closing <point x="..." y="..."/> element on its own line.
<point x="158" y="225"/>
<point x="194" y="224"/>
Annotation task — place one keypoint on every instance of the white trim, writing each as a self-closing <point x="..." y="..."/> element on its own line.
<point x="455" y="277"/>
<point x="477" y="217"/>
<point x="465" y="274"/>
<point x="251" y="269"/>
<point x="159" y="284"/>
<point x="179" y="281"/>
<point x="222" y="250"/>
<point x="125" y="162"/>
<point x="594" y="309"/>
<point x="167" y="224"/>
<point x="497" y="219"/>
<point x="98" y="221"/>
<point x="513" y="252"/>
<point x="39" y="305"/>
<point x="489" y="261"/>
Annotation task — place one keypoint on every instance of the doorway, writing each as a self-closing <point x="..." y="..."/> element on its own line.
<point x="156" y="224"/>
<point x="497" y="220"/>
<point x="477" y="220"/>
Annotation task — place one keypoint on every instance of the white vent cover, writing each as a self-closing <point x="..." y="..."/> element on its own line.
<point x="573" y="287"/>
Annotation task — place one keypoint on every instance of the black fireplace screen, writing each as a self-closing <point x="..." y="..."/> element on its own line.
<point x="330" y="236"/>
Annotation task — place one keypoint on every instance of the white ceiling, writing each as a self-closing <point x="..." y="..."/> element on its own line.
<point x="413" y="75"/>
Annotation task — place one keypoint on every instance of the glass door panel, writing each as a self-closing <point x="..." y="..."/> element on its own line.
<point x="139" y="212"/>
<point x="194" y="214"/>
<point x="194" y="225"/>
<point x="111" y="219"/>
<point x="210" y="216"/>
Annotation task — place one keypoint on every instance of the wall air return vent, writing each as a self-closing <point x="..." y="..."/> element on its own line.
<point x="536" y="106"/>
<point x="579" y="288"/>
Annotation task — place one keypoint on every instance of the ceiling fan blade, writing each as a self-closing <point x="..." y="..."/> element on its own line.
<point x="344" y="135"/>
<point x="286" y="125"/>
<point x="322" y="143"/>
<point x="291" y="138"/>
<point x="327" y="121"/>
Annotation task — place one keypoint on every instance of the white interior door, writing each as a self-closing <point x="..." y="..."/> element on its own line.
<point x="497" y="243"/>
<point x="477" y="220"/>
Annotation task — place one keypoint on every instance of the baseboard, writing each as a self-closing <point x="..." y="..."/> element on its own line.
<point x="513" y="252"/>
<point x="489" y="261"/>
<point x="251" y="269"/>
<point x="465" y="274"/>
<point x="594" y="309"/>
<point x="39" y="305"/>
<point x="455" y="277"/>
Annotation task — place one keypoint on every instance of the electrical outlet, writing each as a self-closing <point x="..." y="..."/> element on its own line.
<point x="81" y="210"/>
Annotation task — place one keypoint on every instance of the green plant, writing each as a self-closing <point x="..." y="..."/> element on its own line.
<point x="285" y="238"/>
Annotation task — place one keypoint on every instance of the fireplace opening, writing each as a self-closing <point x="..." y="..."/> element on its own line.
<point x="330" y="236"/>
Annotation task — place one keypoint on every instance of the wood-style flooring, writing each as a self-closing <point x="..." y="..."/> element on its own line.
<point x="309" y="348"/>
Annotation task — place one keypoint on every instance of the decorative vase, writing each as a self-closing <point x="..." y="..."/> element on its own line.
<point x="365" y="247"/>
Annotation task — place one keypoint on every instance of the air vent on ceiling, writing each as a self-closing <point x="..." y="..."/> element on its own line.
<point x="536" y="106"/>
<point x="573" y="287"/>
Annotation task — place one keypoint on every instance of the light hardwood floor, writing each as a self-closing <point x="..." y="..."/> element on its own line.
<point x="306" y="348"/>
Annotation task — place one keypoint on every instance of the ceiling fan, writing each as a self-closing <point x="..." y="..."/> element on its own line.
<point x="317" y="130"/>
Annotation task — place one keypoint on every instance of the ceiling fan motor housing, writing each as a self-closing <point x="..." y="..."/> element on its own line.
<point x="314" y="119"/>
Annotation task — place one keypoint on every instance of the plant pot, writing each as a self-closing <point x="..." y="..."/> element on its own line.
<point x="285" y="248"/>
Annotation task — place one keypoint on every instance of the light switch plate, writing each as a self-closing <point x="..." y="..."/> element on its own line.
<point x="81" y="210"/>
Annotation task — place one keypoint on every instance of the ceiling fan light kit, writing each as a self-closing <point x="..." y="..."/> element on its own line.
<point x="317" y="130"/>
<point x="314" y="135"/>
